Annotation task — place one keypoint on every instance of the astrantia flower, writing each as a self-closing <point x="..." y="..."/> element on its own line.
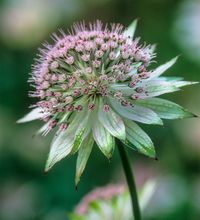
<point x="111" y="202"/>
<point x="93" y="84"/>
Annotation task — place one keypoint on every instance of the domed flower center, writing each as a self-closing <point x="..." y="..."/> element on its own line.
<point x="92" y="61"/>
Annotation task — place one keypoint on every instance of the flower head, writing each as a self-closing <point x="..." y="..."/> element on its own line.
<point x="112" y="202"/>
<point x="93" y="84"/>
<point x="104" y="193"/>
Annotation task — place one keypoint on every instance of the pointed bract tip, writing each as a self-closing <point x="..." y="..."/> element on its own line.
<point x="173" y="60"/>
<point x="110" y="157"/>
<point x="47" y="168"/>
<point x="191" y="115"/>
<point x="19" y="121"/>
<point x="122" y="137"/>
<point x="76" y="181"/>
<point x="159" y="122"/>
<point x="134" y="23"/>
<point x="176" y="58"/>
<point x="130" y="31"/>
<point x="153" y="47"/>
<point x="45" y="172"/>
<point x="195" y="82"/>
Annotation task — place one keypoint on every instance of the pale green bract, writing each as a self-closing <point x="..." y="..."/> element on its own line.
<point x="112" y="104"/>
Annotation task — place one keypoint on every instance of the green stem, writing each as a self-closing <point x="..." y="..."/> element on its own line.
<point x="130" y="180"/>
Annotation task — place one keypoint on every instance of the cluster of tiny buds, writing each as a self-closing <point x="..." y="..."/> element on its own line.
<point x="87" y="62"/>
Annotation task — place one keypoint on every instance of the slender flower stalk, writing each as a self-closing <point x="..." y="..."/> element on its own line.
<point x="93" y="84"/>
<point x="130" y="181"/>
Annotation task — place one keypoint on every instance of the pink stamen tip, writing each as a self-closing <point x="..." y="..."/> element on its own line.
<point x="52" y="124"/>
<point x="124" y="103"/>
<point x="63" y="126"/>
<point x="78" y="108"/>
<point x="76" y="93"/>
<point x="99" y="53"/>
<point x="70" y="60"/>
<point x="106" y="108"/>
<point x="70" y="108"/>
<point x="54" y="65"/>
<point x="91" y="106"/>
<point x="134" y="96"/>
<point x="139" y="90"/>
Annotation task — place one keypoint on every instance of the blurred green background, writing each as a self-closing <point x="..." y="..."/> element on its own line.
<point x="26" y="193"/>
